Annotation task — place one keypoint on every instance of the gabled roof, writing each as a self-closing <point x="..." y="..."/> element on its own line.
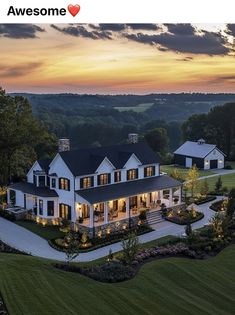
<point x="86" y="161"/>
<point x="194" y="149"/>
<point x="126" y="189"/>
<point x="44" y="163"/>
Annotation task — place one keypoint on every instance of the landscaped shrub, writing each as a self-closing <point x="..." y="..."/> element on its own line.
<point x="216" y="206"/>
<point x="113" y="271"/>
<point x="202" y="200"/>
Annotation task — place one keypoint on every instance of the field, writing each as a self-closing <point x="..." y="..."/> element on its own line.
<point x="140" y="108"/>
<point x="31" y="286"/>
<point x="227" y="180"/>
<point x="183" y="171"/>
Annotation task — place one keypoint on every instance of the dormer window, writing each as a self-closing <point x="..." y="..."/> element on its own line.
<point x="53" y="183"/>
<point x="132" y="174"/>
<point x="104" y="179"/>
<point x="149" y="171"/>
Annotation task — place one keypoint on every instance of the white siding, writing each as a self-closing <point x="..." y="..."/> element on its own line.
<point x="59" y="167"/>
<point x="214" y="155"/>
<point x="35" y="167"/>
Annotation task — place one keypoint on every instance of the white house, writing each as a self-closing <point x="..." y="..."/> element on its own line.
<point x="96" y="187"/>
<point x="203" y="155"/>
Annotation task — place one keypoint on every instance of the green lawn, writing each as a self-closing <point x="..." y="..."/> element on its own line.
<point x="31" y="286"/>
<point x="169" y="168"/>
<point x="47" y="232"/>
<point x="227" y="180"/>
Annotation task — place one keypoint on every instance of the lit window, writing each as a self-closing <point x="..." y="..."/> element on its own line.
<point x="64" y="183"/>
<point x="86" y="182"/>
<point x="149" y="171"/>
<point x="132" y="174"/>
<point x="117" y="176"/>
<point x="104" y="179"/>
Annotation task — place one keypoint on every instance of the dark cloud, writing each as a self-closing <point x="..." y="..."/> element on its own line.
<point x="180" y="29"/>
<point x="207" y="43"/>
<point x="19" y="30"/>
<point x="231" y="29"/>
<point x="109" y="27"/>
<point x="18" y="70"/>
<point x="148" y="27"/>
<point x="81" y="31"/>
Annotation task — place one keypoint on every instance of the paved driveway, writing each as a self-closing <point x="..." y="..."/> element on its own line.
<point x="24" y="240"/>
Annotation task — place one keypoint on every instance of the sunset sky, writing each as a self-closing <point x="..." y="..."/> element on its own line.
<point x="117" y="58"/>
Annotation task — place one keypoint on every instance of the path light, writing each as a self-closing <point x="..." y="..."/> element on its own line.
<point x="44" y="222"/>
<point x="99" y="233"/>
<point x="108" y="230"/>
<point x="124" y="226"/>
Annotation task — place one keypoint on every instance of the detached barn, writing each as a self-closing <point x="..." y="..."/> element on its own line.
<point x="203" y="155"/>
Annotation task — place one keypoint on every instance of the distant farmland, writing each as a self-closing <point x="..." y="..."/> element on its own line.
<point x="140" y="108"/>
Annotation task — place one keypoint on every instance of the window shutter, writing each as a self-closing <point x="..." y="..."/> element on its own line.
<point x="69" y="213"/>
<point x="137" y="173"/>
<point x="127" y="175"/>
<point x="59" y="183"/>
<point x="98" y="179"/>
<point x="145" y="171"/>
<point x="81" y="183"/>
<point x="154" y="170"/>
<point x="68" y="184"/>
<point x="92" y="181"/>
<point x="109" y="178"/>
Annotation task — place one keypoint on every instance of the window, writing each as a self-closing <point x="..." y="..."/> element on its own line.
<point x="64" y="184"/>
<point x="40" y="207"/>
<point x="87" y="182"/>
<point x="132" y="174"/>
<point x="53" y="183"/>
<point x="41" y="181"/>
<point x="104" y="179"/>
<point x="65" y="211"/>
<point x="50" y="208"/>
<point x="117" y="176"/>
<point x="149" y="171"/>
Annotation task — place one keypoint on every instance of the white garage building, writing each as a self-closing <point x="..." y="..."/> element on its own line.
<point x="203" y="155"/>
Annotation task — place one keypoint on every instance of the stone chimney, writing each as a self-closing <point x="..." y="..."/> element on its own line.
<point x="63" y="145"/>
<point x="133" y="138"/>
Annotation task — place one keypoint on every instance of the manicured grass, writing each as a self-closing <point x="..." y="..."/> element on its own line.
<point x="47" y="232"/>
<point x="169" y="286"/>
<point x="183" y="171"/>
<point x="228" y="181"/>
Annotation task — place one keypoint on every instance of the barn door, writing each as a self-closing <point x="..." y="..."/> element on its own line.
<point x="188" y="162"/>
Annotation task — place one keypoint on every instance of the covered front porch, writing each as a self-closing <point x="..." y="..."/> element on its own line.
<point x="105" y="212"/>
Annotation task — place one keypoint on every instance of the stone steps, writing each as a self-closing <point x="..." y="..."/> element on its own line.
<point x="154" y="217"/>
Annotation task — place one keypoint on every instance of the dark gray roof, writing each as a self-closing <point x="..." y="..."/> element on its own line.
<point x="44" y="163"/>
<point x="86" y="161"/>
<point x="115" y="191"/>
<point x="31" y="189"/>
<point x="194" y="149"/>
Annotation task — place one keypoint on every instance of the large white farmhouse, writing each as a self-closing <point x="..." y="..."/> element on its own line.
<point x="96" y="187"/>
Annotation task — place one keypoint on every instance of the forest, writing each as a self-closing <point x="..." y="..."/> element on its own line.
<point x="31" y="124"/>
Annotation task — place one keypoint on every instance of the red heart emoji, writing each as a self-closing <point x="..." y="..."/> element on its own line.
<point x="73" y="9"/>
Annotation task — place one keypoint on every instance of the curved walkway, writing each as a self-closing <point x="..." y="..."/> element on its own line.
<point x="24" y="240"/>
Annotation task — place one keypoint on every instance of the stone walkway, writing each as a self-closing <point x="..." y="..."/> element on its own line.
<point x="24" y="240"/>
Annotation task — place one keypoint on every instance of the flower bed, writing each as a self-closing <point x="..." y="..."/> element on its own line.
<point x="216" y="206"/>
<point x="184" y="217"/>
<point x="99" y="242"/>
<point x="206" y="199"/>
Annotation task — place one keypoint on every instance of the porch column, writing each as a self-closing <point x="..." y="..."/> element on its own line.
<point x="180" y="195"/>
<point x="160" y="194"/>
<point x="91" y="216"/>
<point x="106" y="212"/>
<point x="171" y="197"/>
<point x="127" y="208"/>
<point x="148" y="200"/>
